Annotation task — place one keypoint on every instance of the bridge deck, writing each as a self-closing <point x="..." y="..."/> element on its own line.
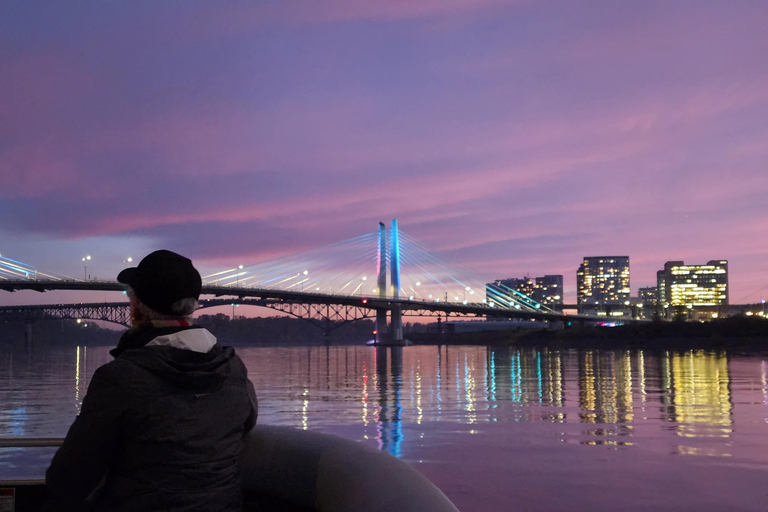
<point x="260" y="297"/>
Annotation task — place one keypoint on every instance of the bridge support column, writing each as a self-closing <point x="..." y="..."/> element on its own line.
<point x="397" y="327"/>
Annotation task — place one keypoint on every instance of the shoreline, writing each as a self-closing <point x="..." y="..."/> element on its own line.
<point x="731" y="333"/>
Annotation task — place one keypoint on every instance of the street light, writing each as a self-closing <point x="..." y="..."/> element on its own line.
<point x="237" y="277"/>
<point x="86" y="259"/>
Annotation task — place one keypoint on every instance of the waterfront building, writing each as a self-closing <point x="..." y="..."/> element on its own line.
<point x="661" y="289"/>
<point x="648" y="296"/>
<point x="524" y="285"/>
<point x="549" y="290"/>
<point x="693" y="291"/>
<point x="546" y="290"/>
<point x="603" y="280"/>
<point x="645" y="304"/>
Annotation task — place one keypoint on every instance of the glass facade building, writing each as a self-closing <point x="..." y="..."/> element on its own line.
<point x="549" y="290"/>
<point x="648" y="296"/>
<point x="546" y="290"/>
<point x="603" y="280"/>
<point x="699" y="287"/>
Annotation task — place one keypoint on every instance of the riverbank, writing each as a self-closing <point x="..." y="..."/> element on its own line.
<point x="739" y="333"/>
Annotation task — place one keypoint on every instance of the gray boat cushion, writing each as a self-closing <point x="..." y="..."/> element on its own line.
<point x="331" y="474"/>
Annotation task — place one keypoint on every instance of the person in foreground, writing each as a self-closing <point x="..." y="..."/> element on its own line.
<point x="161" y="427"/>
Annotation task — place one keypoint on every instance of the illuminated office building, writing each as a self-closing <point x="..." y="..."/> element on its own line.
<point x="645" y="305"/>
<point x="661" y="288"/>
<point x="648" y="296"/>
<point x="603" y="280"/>
<point x="701" y="288"/>
<point x="549" y="290"/>
<point x="546" y="290"/>
<point x="523" y="285"/>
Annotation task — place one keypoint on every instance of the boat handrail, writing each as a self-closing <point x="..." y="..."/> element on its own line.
<point x="34" y="442"/>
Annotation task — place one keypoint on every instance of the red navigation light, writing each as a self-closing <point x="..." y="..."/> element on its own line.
<point x="365" y="301"/>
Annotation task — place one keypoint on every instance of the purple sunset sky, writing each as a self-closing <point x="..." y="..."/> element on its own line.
<point x="513" y="137"/>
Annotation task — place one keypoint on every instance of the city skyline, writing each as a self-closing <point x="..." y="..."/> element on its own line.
<point x="545" y="289"/>
<point x="514" y="138"/>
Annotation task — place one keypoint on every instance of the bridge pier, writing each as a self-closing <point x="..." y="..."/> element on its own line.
<point x="381" y="326"/>
<point x="396" y="337"/>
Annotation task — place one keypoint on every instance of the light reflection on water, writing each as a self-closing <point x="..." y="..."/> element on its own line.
<point x="474" y="419"/>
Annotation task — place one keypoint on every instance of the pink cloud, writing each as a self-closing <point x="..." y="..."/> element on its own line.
<point x="29" y="171"/>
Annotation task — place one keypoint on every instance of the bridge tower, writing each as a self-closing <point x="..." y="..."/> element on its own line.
<point x="396" y="325"/>
<point x="381" y="285"/>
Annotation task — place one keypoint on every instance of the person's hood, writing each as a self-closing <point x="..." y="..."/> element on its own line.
<point x="176" y="355"/>
<point x="195" y="339"/>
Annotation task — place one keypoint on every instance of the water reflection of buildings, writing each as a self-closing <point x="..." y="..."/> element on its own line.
<point x="392" y="394"/>
<point x="527" y="376"/>
<point x="701" y="397"/>
<point x="605" y="393"/>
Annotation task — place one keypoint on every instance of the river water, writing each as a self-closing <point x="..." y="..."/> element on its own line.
<point x="497" y="428"/>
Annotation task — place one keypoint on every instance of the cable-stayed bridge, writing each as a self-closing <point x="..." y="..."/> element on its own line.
<point x="383" y="275"/>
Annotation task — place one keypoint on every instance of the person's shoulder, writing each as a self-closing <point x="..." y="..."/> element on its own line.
<point x="116" y="369"/>
<point x="234" y="359"/>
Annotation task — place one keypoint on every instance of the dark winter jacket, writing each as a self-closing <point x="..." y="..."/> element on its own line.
<point x="160" y="428"/>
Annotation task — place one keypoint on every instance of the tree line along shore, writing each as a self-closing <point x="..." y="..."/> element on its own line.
<point x="735" y="332"/>
<point x="747" y="333"/>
